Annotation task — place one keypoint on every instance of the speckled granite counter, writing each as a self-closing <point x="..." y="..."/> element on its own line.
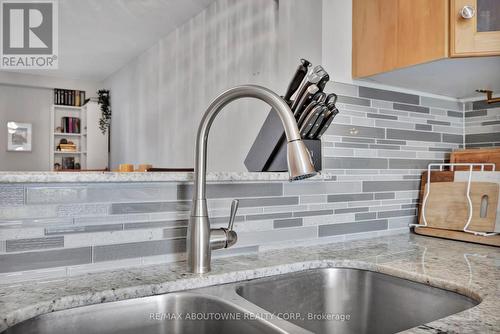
<point x="469" y="269"/>
<point x="88" y="177"/>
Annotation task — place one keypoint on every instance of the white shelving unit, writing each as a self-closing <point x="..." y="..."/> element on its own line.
<point x="92" y="145"/>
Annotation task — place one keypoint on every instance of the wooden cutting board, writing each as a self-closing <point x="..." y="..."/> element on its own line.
<point x="447" y="206"/>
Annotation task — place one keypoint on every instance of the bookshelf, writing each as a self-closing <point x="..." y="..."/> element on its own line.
<point x="91" y="146"/>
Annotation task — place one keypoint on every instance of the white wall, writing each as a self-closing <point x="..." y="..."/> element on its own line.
<point x="26" y="105"/>
<point x="337" y="39"/>
<point x="158" y="99"/>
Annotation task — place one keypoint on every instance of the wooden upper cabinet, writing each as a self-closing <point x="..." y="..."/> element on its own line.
<point x="392" y="34"/>
<point x="474" y="28"/>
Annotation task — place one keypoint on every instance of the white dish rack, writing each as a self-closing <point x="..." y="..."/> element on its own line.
<point x="440" y="167"/>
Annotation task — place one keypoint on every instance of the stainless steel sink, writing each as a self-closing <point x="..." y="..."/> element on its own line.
<point x="334" y="300"/>
<point x="338" y="300"/>
<point x="147" y="316"/>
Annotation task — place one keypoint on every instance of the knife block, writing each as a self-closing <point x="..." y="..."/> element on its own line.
<point x="269" y="150"/>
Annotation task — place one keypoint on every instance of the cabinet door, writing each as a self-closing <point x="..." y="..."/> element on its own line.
<point x="474" y="28"/>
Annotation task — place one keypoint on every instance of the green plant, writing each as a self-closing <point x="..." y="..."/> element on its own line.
<point x="104" y="103"/>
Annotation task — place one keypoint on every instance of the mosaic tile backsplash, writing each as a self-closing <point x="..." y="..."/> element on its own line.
<point x="482" y="124"/>
<point x="375" y="152"/>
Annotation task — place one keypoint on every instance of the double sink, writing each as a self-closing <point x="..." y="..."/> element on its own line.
<point x="331" y="300"/>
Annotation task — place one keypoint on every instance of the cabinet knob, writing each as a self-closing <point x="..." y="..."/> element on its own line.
<point x="467" y="12"/>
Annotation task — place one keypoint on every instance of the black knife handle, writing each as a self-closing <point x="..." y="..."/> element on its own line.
<point x="297" y="79"/>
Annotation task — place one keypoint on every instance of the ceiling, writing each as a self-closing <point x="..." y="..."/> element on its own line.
<point x="97" y="37"/>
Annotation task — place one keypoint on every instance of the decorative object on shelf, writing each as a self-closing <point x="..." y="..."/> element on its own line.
<point x="19" y="137"/>
<point x="489" y="96"/>
<point x="57" y="166"/>
<point x="68" y="163"/>
<point x="59" y="129"/>
<point x="144" y="167"/>
<point x="104" y="103"/>
<point x="77" y="165"/>
<point x="126" y="168"/>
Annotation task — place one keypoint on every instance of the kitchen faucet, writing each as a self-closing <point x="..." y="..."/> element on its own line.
<point x="201" y="240"/>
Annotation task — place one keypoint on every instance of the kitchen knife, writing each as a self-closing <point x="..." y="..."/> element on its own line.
<point x="327" y="122"/>
<point x="304" y="99"/>
<point x="319" y="97"/>
<point x="310" y="119"/>
<point x="317" y="124"/>
<point x="306" y="112"/>
<point x="325" y="77"/>
<point x="297" y="79"/>
<point x="331" y="99"/>
<point x="312" y="79"/>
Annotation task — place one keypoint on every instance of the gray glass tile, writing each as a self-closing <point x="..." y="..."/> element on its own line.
<point x="391" y="142"/>
<point x="412" y="108"/>
<point x="424" y="127"/>
<point x="325" y="187"/>
<point x="351" y="210"/>
<point x="410" y="163"/>
<point x="490" y="123"/>
<point x="350" y="197"/>
<point x="312" y="213"/>
<point x="448" y="138"/>
<point x="396" y="213"/>
<point x="475" y="113"/>
<point x="381" y="116"/>
<point x="356" y="227"/>
<point x="385" y="195"/>
<point x="351" y="145"/>
<point x="21" y="245"/>
<point x="440" y="149"/>
<point x="11" y="195"/>
<point x="387" y="95"/>
<point x="430" y="121"/>
<point x="357" y="140"/>
<point x="356" y="131"/>
<point x="483" y="138"/>
<point x="365" y="216"/>
<point x="179" y="232"/>
<point x="413" y="135"/>
<point x="267" y="216"/>
<point x="457" y="114"/>
<point x="372" y="186"/>
<point x="353" y="100"/>
<point x="384" y="147"/>
<point x="233" y="190"/>
<point x="44" y="259"/>
<point x="268" y="201"/>
<point x="283" y="223"/>
<point x="124" y="208"/>
<point x="483" y="105"/>
<point x="155" y="224"/>
<point x="354" y="163"/>
<point x="138" y="249"/>
<point x="439" y="103"/>
<point x="71" y="229"/>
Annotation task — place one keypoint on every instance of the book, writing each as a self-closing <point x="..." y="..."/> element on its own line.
<point x="66" y="97"/>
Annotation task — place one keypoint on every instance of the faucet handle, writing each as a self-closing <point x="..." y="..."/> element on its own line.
<point x="232" y="216"/>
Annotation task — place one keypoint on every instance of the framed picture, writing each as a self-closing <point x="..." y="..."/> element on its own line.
<point x="19" y="137"/>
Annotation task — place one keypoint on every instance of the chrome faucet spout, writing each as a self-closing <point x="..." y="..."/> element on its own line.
<point x="201" y="239"/>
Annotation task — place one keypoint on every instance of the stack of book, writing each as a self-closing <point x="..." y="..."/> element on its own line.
<point x="66" y="97"/>
<point x="67" y="147"/>
<point x="70" y="124"/>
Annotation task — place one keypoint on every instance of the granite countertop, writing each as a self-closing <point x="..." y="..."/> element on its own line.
<point x="88" y="177"/>
<point x="470" y="269"/>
